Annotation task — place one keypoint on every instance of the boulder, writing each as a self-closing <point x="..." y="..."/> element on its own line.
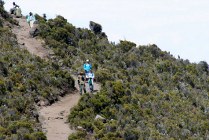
<point x="80" y="128"/>
<point x="18" y="13"/>
<point x="95" y="27"/>
<point x="99" y="117"/>
<point x="34" y="31"/>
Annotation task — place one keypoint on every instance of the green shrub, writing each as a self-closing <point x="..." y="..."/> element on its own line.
<point x="77" y="136"/>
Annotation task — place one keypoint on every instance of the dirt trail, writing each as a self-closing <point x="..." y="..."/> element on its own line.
<point x="33" y="45"/>
<point x="54" y="117"/>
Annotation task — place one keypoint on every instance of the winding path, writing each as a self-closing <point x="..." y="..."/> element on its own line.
<point x="53" y="118"/>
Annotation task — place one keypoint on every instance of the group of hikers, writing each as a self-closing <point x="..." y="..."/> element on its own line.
<point x="16" y="10"/>
<point x="86" y="76"/>
<point x="30" y="18"/>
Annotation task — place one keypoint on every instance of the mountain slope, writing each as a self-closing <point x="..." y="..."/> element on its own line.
<point x="147" y="93"/>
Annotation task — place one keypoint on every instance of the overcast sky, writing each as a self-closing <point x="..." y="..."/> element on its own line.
<point x="178" y="26"/>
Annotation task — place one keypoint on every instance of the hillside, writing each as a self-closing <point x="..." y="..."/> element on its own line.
<point x="146" y="92"/>
<point x="25" y="82"/>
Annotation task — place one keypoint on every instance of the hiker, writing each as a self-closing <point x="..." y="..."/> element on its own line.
<point x="12" y="10"/>
<point x="87" y="67"/>
<point x="44" y="16"/>
<point x="90" y="76"/>
<point x="31" y="19"/>
<point x="81" y="82"/>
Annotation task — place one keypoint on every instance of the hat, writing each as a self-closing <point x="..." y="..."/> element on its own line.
<point x="87" y="60"/>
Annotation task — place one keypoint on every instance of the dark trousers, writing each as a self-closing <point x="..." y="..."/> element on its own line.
<point x="82" y="88"/>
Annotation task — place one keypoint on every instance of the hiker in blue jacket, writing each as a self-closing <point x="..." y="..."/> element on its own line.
<point x="87" y="66"/>
<point x="30" y="19"/>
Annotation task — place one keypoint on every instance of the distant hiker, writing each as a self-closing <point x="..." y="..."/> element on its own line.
<point x="90" y="77"/>
<point x="31" y="19"/>
<point x="81" y="82"/>
<point x="15" y="5"/>
<point x="16" y="10"/>
<point x="87" y="67"/>
<point x="44" y="16"/>
<point x="12" y="10"/>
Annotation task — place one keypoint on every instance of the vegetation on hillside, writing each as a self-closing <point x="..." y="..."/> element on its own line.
<point x="25" y="81"/>
<point x="146" y="94"/>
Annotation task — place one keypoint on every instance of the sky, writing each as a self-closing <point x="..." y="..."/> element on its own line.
<point x="180" y="27"/>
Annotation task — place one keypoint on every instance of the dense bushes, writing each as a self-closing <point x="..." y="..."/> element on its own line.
<point x="26" y="81"/>
<point x="146" y="94"/>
